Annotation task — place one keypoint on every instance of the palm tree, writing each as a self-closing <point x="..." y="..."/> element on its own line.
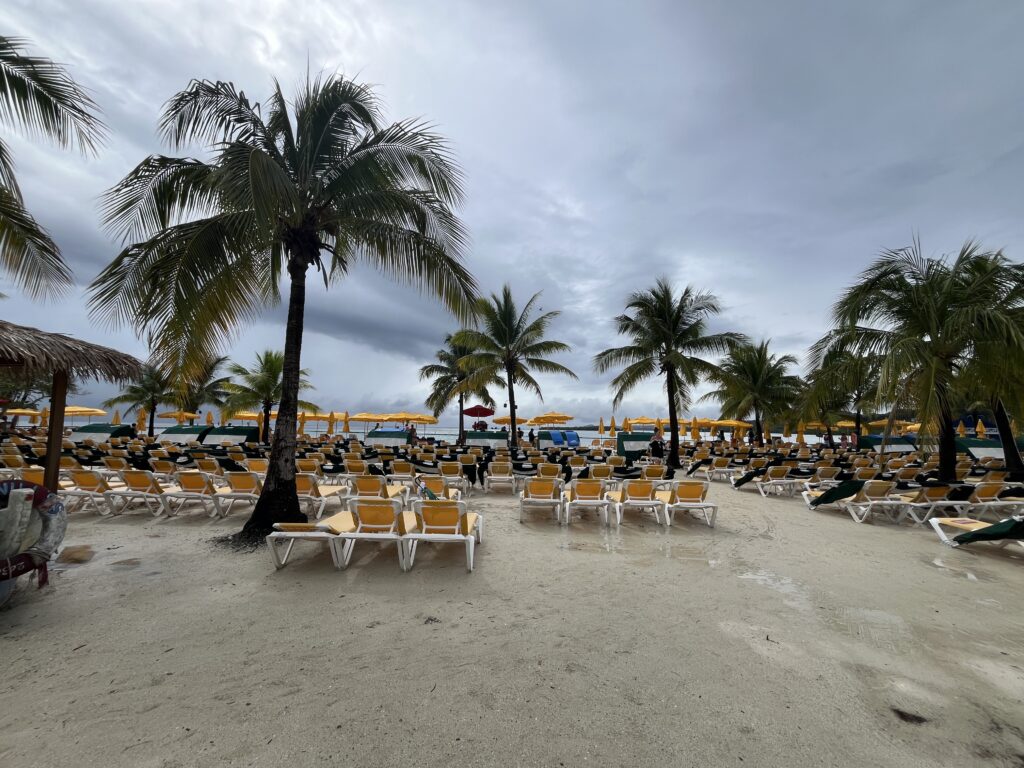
<point x="450" y="382"/>
<point x="261" y="387"/>
<point x="927" y="319"/>
<point x="319" y="183"/>
<point x="202" y="385"/>
<point x="508" y="346"/>
<point x="843" y="385"/>
<point x="668" y="334"/>
<point x="39" y="99"/>
<point x="752" y="380"/>
<point x="152" y="389"/>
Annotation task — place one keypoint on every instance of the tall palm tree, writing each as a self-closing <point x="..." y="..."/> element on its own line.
<point x="843" y="385"/>
<point x="203" y="385"/>
<point x="668" y="336"/>
<point x="261" y="387"/>
<point x="927" y="319"/>
<point x="152" y="389"/>
<point x="320" y="183"/>
<point x="752" y="381"/>
<point x="39" y="99"/>
<point x="508" y="346"/>
<point x="450" y="382"/>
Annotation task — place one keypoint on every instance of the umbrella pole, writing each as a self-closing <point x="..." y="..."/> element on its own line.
<point x="55" y="437"/>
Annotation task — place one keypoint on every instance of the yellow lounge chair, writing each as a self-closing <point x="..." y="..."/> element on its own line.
<point x="326" y="530"/>
<point x="376" y="487"/>
<point x="637" y="494"/>
<point x="499" y="473"/>
<point x="689" y="496"/>
<point x="195" y="486"/>
<point x="444" y="521"/>
<point x="381" y="520"/>
<point x="585" y="494"/>
<point x="139" y="485"/>
<point x="90" y="488"/>
<point x="542" y="492"/>
<point x="315" y="496"/>
<point x="242" y="486"/>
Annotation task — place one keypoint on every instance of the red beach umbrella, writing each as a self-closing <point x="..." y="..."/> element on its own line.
<point x="478" y="411"/>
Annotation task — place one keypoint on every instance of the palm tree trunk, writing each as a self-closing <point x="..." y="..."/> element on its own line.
<point x="511" y="409"/>
<point x="856" y="421"/>
<point x="1011" y="456"/>
<point x="758" y="427"/>
<point x="462" y="417"/>
<point x="279" y="501"/>
<point x="947" y="448"/>
<point x="673" y="421"/>
<point x="152" y="416"/>
<point x="829" y="437"/>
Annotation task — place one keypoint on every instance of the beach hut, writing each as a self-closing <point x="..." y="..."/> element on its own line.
<point x="32" y="352"/>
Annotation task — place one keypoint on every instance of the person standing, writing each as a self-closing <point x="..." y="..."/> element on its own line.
<point x="657" y="446"/>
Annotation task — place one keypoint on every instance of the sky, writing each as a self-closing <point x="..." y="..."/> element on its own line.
<point x="762" y="151"/>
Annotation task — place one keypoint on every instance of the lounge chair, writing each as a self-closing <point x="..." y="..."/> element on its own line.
<point x="326" y="531"/>
<point x="444" y="521"/>
<point x="688" y="496"/>
<point x="381" y="520"/>
<point x="139" y="485"/>
<point x="89" y="487"/>
<point x="719" y="468"/>
<point x="928" y="500"/>
<point x="376" y="487"/>
<point x="315" y="496"/>
<point x="242" y="486"/>
<point x="1007" y="531"/>
<point x="639" y="495"/>
<point x="542" y="493"/>
<point x="585" y="494"/>
<point x="777" y="480"/>
<point x="499" y="473"/>
<point x="196" y="486"/>
<point x="875" y="497"/>
<point x="985" y="499"/>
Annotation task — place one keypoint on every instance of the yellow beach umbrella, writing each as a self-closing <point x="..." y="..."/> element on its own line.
<point x="800" y="433"/>
<point x="961" y="429"/>
<point x="695" y="429"/>
<point x="140" y="420"/>
<point x="626" y="427"/>
<point x="368" y="417"/>
<point x="331" y="421"/>
<point x="209" y="418"/>
<point x="259" y="424"/>
<point x="223" y="418"/>
<point x="864" y="431"/>
<point x="848" y="424"/>
<point x="767" y="434"/>
<point x="344" y="423"/>
<point x="180" y="416"/>
<point x="22" y="412"/>
<point x="44" y="418"/>
<point x="979" y="430"/>
<point x="786" y="431"/>
<point x="642" y="420"/>
<point x="658" y="425"/>
<point x="612" y="428"/>
<point x="83" y="410"/>
<point x="507" y="420"/>
<point x="600" y="426"/>
<point x="116" y="421"/>
<point x="302" y="422"/>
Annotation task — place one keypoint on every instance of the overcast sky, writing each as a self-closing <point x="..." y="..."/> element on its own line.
<point x="765" y="151"/>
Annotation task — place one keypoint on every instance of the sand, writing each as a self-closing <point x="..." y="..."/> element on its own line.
<point x="783" y="637"/>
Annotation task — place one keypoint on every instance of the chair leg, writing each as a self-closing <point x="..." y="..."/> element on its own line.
<point x="410" y="553"/>
<point x="470" y="541"/>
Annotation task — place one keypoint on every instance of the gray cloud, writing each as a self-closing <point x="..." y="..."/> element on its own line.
<point x="764" y="151"/>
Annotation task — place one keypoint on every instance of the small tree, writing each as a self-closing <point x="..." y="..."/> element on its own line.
<point x="449" y="381"/>
<point x="150" y="391"/>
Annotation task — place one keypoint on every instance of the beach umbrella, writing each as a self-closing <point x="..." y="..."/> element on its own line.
<point x="302" y="422"/>
<point x="331" y="421"/>
<point x="600" y="426"/>
<point x="979" y="429"/>
<point x="785" y="431"/>
<point x="478" y="411"/>
<point x="642" y="420"/>
<point x="44" y="417"/>
<point x="507" y="420"/>
<point x="344" y="423"/>
<point x="658" y="424"/>
<point x="140" y="420"/>
<point x="800" y="433"/>
<point x="612" y="428"/>
<point x="259" y="425"/>
<point x="22" y="412"/>
<point x="695" y="430"/>
<point x="864" y="431"/>
<point x="180" y="416"/>
<point x="116" y="421"/>
<point x="767" y="434"/>
<point x="848" y="424"/>
<point x="223" y="418"/>
<point x="209" y="418"/>
<point x="626" y="427"/>
<point x="961" y="429"/>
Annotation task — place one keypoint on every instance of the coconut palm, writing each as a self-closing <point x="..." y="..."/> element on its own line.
<point x="752" y="381"/>
<point x="844" y="385"/>
<point x="318" y="183"/>
<point x="152" y="389"/>
<point x="508" y="346"/>
<point x="38" y="98"/>
<point x="450" y="382"/>
<point x="994" y="379"/>
<point x="669" y="337"/>
<point x="261" y="387"/>
<point x="927" y="318"/>
<point x="203" y="385"/>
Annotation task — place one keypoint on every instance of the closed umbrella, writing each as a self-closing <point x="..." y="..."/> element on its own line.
<point x="140" y="420"/>
<point x="44" y="418"/>
<point x="344" y="423"/>
<point x="116" y="421"/>
<point x="331" y="421"/>
<point x="979" y="430"/>
<point x="600" y="426"/>
<point x="695" y="430"/>
<point x="209" y="418"/>
<point x="800" y="433"/>
<point x="611" y="428"/>
<point x="785" y="431"/>
<point x="302" y="422"/>
<point x="961" y="429"/>
<point x="626" y="425"/>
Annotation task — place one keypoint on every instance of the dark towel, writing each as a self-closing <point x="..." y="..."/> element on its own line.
<point x="1010" y="528"/>
<point x="842" y="491"/>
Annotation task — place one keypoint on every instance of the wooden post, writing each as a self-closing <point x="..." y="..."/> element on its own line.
<point x="55" y="438"/>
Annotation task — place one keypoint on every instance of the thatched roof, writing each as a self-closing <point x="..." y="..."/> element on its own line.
<point x="35" y="352"/>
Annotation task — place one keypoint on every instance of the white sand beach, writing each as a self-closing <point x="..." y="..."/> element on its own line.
<point x="782" y="637"/>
